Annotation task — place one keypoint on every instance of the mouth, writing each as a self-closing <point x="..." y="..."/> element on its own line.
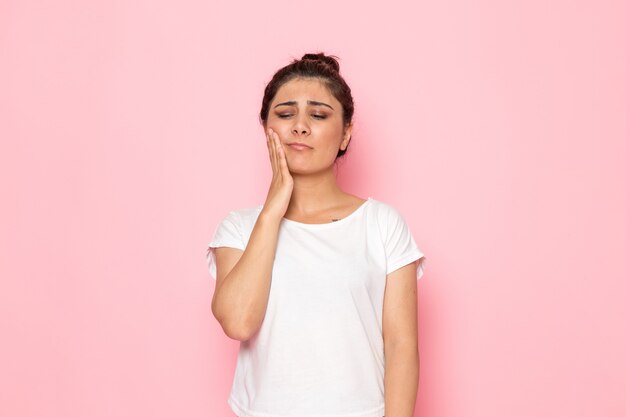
<point x="298" y="146"/>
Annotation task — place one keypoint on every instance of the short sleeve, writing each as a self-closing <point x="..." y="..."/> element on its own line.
<point x="400" y="246"/>
<point x="227" y="233"/>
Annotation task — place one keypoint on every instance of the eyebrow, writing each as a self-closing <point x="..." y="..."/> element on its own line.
<point x="311" y="102"/>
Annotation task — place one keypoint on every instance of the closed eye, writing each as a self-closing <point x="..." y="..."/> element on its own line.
<point x="315" y="116"/>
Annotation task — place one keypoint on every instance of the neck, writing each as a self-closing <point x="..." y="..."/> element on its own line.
<point x="314" y="192"/>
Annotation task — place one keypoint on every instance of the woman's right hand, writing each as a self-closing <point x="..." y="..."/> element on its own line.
<point x="279" y="194"/>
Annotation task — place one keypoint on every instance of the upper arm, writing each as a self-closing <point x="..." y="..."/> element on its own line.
<point x="399" y="244"/>
<point x="225" y="249"/>
<point x="405" y="266"/>
<point x="400" y="305"/>
<point x="227" y="240"/>
<point x="225" y="260"/>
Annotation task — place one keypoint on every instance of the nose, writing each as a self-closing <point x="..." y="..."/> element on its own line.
<point x="300" y="126"/>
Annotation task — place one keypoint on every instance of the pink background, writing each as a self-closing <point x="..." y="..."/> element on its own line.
<point x="129" y="129"/>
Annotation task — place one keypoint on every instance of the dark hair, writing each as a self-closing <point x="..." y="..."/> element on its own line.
<point x="324" y="67"/>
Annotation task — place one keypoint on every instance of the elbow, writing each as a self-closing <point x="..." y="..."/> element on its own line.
<point x="234" y="329"/>
<point x="240" y="333"/>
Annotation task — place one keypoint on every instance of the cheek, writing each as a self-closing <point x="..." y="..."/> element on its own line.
<point x="333" y="133"/>
<point x="281" y="128"/>
<point x="278" y="125"/>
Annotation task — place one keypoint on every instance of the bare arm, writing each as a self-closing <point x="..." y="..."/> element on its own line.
<point x="243" y="277"/>
<point x="400" y="341"/>
<point x="243" y="281"/>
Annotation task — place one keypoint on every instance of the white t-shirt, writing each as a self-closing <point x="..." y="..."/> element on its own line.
<point x="319" y="350"/>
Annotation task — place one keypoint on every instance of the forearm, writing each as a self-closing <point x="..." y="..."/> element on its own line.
<point x="401" y="379"/>
<point x="241" y="299"/>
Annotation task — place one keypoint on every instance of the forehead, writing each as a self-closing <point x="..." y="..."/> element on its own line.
<point x="303" y="89"/>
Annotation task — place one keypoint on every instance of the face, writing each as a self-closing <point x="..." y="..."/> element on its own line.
<point x="305" y="111"/>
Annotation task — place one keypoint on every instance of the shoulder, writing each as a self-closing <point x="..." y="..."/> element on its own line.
<point x="389" y="219"/>
<point x="244" y="217"/>
<point x="384" y="211"/>
<point x="247" y="211"/>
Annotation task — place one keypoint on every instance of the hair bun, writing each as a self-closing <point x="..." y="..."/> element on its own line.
<point x="329" y="60"/>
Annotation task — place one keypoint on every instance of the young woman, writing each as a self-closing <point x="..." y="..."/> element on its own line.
<point x="319" y="285"/>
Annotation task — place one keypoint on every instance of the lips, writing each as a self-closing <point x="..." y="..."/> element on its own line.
<point x="298" y="146"/>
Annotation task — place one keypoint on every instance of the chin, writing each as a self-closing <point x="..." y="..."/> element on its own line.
<point x="302" y="169"/>
<point x="299" y="170"/>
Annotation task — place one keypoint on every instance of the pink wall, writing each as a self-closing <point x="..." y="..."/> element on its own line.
<point x="130" y="128"/>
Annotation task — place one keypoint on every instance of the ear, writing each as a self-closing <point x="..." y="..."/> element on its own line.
<point x="347" y="135"/>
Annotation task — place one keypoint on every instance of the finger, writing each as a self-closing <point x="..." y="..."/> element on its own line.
<point x="267" y="143"/>
<point x="275" y="152"/>
<point x="283" y="161"/>
<point x="280" y="151"/>
<point x="272" y="151"/>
